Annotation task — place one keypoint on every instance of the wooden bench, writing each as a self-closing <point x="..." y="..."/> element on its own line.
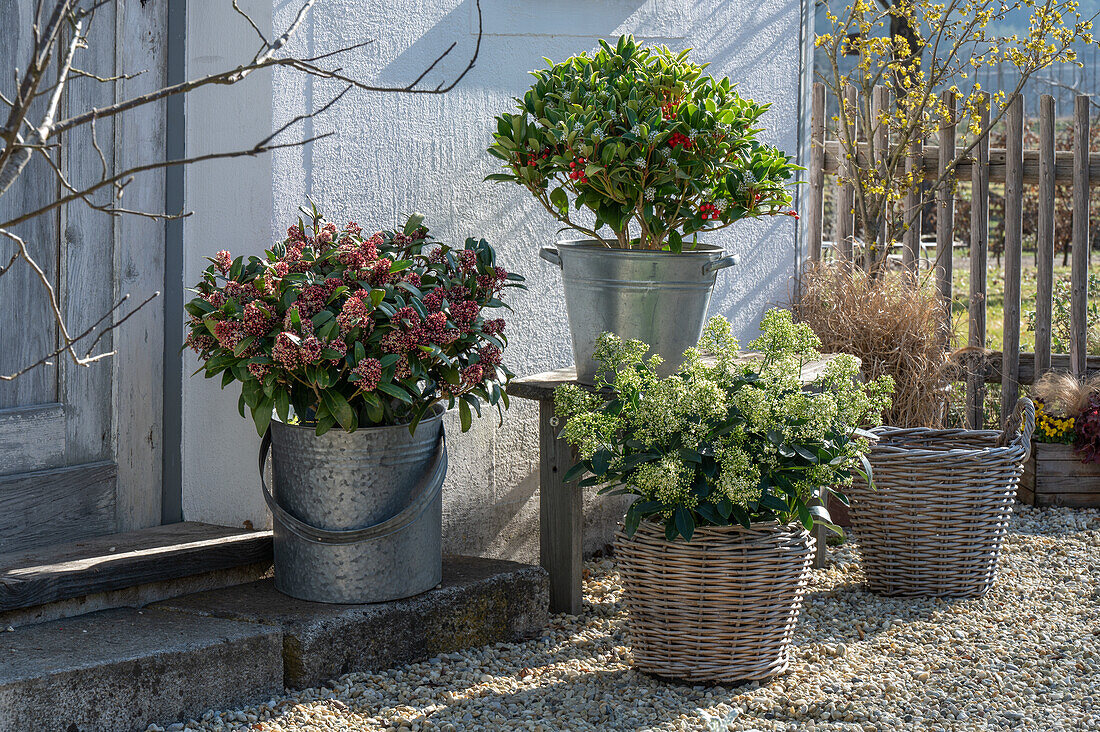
<point x="561" y="506"/>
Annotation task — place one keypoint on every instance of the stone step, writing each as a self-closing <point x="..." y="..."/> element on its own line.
<point x="122" y="669"/>
<point x="480" y="601"/>
<point x="129" y="569"/>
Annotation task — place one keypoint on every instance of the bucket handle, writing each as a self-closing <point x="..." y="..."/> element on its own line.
<point x="424" y="493"/>
<point x="727" y="261"/>
<point x="550" y="254"/>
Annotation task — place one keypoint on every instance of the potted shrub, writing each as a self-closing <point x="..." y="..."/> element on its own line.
<point x="639" y="151"/>
<point x="727" y="460"/>
<point x="1064" y="467"/>
<point x="347" y="347"/>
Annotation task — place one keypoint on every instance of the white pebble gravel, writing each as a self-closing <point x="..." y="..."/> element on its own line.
<point x="1024" y="657"/>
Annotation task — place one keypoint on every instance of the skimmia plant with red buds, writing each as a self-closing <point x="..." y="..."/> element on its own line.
<point x="355" y="330"/>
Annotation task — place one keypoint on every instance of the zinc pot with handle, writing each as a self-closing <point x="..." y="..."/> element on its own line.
<point x="659" y="298"/>
<point x="357" y="516"/>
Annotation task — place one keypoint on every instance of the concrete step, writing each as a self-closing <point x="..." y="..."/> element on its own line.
<point x="480" y="601"/>
<point x="122" y="669"/>
<point x="129" y="569"/>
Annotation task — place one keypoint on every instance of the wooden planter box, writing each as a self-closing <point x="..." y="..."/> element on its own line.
<point x="1055" y="476"/>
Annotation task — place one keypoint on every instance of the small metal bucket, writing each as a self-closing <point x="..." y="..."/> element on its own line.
<point x="659" y="298"/>
<point x="357" y="517"/>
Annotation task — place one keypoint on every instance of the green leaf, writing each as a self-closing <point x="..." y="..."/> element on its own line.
<point x="805" y="516"/>
<point x="685" y="524"/>
<point x="282" y="404"/>
<point x="261" y="414"/>
<point x="464" y="415"/>
<point x="389" y="359"/>
<point x="413" y="223"/>
<point x="395" y="391"/>
<point x="376" y="297"/>
<point x="400" y="265"/>
<point x="339" y="408"/>
<point x="633" y="518"/>
<point x="675" y="242"/>
<point x="560" y="200"/>
<point x="574" y="473"/>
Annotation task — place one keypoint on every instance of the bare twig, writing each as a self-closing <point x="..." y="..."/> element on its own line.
<point x="60" y="30"/>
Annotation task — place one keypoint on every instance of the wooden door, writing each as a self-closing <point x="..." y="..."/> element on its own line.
<point x="80" y="447"/>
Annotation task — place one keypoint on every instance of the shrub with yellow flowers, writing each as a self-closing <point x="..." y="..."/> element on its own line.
<point x="1053" y="428"/>
<point x="723" y="442"/>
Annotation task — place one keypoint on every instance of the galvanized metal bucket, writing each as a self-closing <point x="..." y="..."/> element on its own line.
<point x="659" y="298"/>
<point x="357" y="517"/>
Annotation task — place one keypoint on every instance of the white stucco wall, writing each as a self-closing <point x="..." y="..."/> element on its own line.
<point x="395" y="154"/>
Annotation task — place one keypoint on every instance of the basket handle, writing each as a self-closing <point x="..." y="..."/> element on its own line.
<point x="1022" y="421"/>
<point x="423" y="493"/>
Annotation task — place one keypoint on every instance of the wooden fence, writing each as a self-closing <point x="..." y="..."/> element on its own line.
<point x="1012" y="166"/>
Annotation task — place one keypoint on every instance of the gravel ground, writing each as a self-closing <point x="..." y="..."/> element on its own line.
<point x="1025" y="657"/>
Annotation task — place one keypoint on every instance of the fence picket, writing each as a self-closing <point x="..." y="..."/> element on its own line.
<point x="845" y="222"/>
<point x="880" y="105"/>
<point x="815" y="210"/>
<point x="1079" y="268"/>
<point x="945" y="204"/>
<point x="979" y="262"/>
<point x="1044" y="240"/>
<point x="1013" y="254"/>
<point x="914" y="200"/>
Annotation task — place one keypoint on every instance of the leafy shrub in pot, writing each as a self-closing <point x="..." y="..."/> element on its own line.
<point x="646" y="143"/>
<point x="726" y="458"/>
<point x="355" y="330"/>
<point x="371" y="333"/>
<point x="641" y="152"/>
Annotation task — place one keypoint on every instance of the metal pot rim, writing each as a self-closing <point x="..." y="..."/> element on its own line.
<point x="437" y="412"/>
<point x="593" y="244"/>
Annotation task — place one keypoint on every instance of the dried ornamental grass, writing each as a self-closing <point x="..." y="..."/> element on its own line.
<point x="896" y="329"/>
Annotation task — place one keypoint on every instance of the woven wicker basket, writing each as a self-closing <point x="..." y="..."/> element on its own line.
<point x="934" y="523"/>
<point x="720" y="607"/>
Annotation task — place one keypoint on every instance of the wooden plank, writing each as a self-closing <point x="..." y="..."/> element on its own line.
<point x="1044" y="240"/>
<point x="119" y="561"/>
<point x="845" y="201"/>
<point x="87" y="243"/>
<point x="815" y="206"/>
<point x="33" y="335"/>
<point x="1078" y="347"/>
<point x="139" y="264"/>
<point x="1063" y="164"/>
<point x="945" y="204"/>
<point x="979" y="262"/>
<point x="881" y="113"/>
<point x="540" y="387"/>
<point x="1013" y="254"/>
<point x="1069" y="500"/>
<point x="32" y="438"/>
<point x="992" y="367"/>
<point x="58" y="505"/>
<point x="561" y="517"/>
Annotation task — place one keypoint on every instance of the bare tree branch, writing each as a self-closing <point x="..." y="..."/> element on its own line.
<point x="63" y="35"/>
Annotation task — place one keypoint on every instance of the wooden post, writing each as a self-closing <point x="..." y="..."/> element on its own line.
<point x="945" y="208"/>
<point x="1079" y="283"/>
<point x="881" y="106"/>
<point x="845" y="223"/>
<point x="1014" y="189"/>
<point x="815" y="206"/>
<point x="1044" y="241"/>
<point x="561" y="517"/>
<point x="979" y="264"/>
<point x="914" y="203"/>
